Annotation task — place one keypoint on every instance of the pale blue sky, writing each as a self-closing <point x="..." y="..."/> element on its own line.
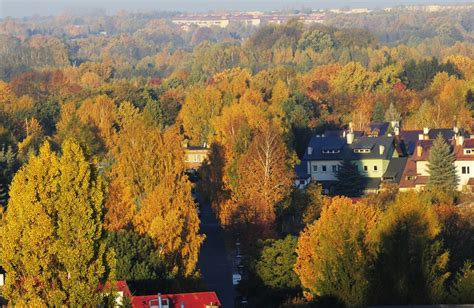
<point x="18" y="8"/>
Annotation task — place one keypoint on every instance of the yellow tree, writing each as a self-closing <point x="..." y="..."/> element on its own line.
<point x="52" y="241"/>
<point x="150" y="191"/>
<point x="334" y="254"/>
<point x="201" y="105"/>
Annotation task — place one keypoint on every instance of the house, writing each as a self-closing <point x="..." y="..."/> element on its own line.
<point x="302" y="176"/>
<point x="371" y="155"/>
<point x="180" y="300"/>
<point x="195" y="155"/>
<point x="415" y="174"/>
<point x="183" y="300"/>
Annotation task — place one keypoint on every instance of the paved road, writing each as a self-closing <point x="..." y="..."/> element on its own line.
<point x="213" y="262"/>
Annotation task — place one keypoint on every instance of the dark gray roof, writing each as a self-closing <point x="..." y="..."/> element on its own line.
<point x="346" y="151"/>
<point x="301" y="170"/>
<point x="395" y="169"/>
<point x="410" y="137"/>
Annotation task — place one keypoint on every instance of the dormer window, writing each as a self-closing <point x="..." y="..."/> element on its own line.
<point x="469" y="151"/>
<point x="361" y="150"/>
<point x="331" y="151"/>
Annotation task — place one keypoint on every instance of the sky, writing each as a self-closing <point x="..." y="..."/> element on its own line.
<point x="21" y="8"/>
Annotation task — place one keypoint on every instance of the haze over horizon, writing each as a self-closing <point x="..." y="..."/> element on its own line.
<point x="23" y="8"/>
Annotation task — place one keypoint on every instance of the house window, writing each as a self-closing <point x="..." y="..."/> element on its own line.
<point x="324" y="168"/>
<point x="465" y="170"/>
<point x="315" y="168"/>
<point x="375" y="168"/>
<point x="468" y="151"/>
<point x="334" y="168"/>
<point x="366" y="168"/>
<point x="302" y="182"/>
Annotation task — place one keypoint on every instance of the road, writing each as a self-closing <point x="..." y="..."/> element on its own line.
<point x="214" y="264"/>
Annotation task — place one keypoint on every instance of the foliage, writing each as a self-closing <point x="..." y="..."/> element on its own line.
<point x="462" y="291"/>
<point x="350" y="181"/>
<point x="137" y="257"/>
<point x="275" y="265"/>
<point x="334" y="254"/>
<point x="411" y="264"/>
<point x="441" y="167"/>
<point x="54" y="219"/>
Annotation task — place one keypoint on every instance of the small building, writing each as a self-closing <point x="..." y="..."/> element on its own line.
<point x="195" y="155"/>
<point x="302" y="176"/>
<point x="178" y="300"/>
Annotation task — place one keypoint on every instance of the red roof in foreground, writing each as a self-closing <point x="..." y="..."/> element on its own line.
<point x="190" y="300"/>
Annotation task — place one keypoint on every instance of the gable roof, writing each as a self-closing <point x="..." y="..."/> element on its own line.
<point x="395" y="169"/>
<point x="190" y="300"/>
<point x="342" y="150"/>
<point x="301" y="170"/>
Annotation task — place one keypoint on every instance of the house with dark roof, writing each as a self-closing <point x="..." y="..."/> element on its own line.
<point x="371" y="154"/>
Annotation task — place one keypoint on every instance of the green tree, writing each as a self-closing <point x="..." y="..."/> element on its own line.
<point x="462" y="291"/>
<point x="349" y="180"/>
<point x="441" y="167"/>
<point x="8" y="165"/>
<point x="316" y="40"/>
<point x="54" y="218"/>
<point x="411" y="265"/>
<point x="378" y="114"/>
<point x="276" y="263"/>
<point x="137" y="257"/>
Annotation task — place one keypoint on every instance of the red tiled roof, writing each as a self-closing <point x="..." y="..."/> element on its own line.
<point x="470" y="182"/>
<point x="190" y="300"/>
<point x="469" y="143"/>
<point x="410" y="170"/>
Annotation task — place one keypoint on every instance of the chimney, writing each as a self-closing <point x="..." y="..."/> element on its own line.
<point x="350" y="137"/>
<point x="420" y="137"/>
<point x="396" y="127"/>
<point x="310" y="150"/>
<point x="419" y="150"/>
<point x="350" y="134"/>
<point x="426" y="131"/>
<point x="159" y="301"/>
<point x="459" y="140"/>
<point x="381" y="149"/>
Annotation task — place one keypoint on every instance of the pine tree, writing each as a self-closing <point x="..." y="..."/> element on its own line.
<point x="349" y="180"/>
<point x="8" y="164"/>
<point x="378" y="114"/>
<point x="52" y="246"/>
<point x="441" y="167"/>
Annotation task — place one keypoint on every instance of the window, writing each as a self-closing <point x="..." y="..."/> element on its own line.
<point x="375" y="168"/>
<point x="465" y="170"/>
<point x="468" y="151"/>
<point x="366" y="168"/>
<point x="334" y="168"/>
<point x="324" y="168"/>
<point x="315" y="168"/>
<point x="302" y="182"/>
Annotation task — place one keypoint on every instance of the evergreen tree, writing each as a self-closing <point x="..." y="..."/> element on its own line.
<point x="378" y="114"/>
<point x="462" y="290"/>
<point x="52" y="246"/>
<point x="8" y="165"/>
<point x="349" y="180"/>
<point x="441" y="167"/>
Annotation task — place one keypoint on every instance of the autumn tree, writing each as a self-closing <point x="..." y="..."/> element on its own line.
<point x="411" y="264"/>
<point x="54" y="219"/>
<point x="201" y="105"/>
<point x="264" y="176"/>
<point x="334" y="254"/>
<point x="150" y="191"/>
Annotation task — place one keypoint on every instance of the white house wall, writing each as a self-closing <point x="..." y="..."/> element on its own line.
<point x="464" y="178"/>
<point x="319" y="174"/>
